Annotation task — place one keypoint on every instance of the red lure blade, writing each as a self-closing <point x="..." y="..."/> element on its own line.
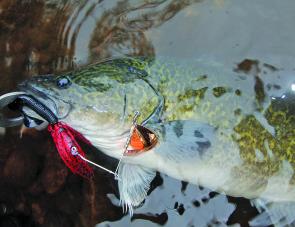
<point x="68" y="148"/>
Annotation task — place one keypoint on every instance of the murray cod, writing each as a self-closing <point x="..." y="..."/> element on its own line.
<point x="230" y="131"/>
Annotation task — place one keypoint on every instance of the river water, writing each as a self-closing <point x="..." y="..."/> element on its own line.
<point x="42" y="37"/>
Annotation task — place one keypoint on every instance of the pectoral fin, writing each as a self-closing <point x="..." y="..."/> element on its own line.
<point x="184" y="140"/>
<point x="134" y="184"/>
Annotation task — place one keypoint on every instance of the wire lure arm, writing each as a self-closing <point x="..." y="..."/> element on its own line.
<point x="134" y="123"/>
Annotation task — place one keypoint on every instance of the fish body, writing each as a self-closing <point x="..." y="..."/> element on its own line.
<point x="230" y="131"/>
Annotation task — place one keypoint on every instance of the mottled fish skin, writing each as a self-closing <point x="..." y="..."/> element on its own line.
<point x="256" y="133"/>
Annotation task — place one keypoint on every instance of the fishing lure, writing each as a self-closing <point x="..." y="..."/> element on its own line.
<point x="63" y="135"/>
<point x="69" y="150"/>
<point x="140" y="139"/>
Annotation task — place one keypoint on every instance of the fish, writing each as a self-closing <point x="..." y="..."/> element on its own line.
<point x="230" y="130"/>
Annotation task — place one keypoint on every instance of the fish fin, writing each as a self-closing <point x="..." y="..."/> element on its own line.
<point x="134" y="183"/>
<point x="184" y="140"/>
<point x="273" y="213"/>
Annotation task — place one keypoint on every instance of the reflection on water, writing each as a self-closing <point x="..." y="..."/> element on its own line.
<point x="41" y="37"/>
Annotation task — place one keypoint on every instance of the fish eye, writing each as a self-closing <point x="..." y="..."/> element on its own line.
<point x="63" y="82"/>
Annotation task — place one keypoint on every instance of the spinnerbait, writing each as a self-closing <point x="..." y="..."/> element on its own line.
<point x="63" y="135"/>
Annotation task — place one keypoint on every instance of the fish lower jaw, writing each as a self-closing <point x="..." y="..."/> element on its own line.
<point x="114" y="153"/>
<point x="106" y="142"/>
<point x="117" y="149"/>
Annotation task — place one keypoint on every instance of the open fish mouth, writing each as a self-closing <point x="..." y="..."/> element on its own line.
<point x="33" y="112"/>
<point x="5" y="101"/>
<point x="58" y="107"/>
<point x="41" y="96"/>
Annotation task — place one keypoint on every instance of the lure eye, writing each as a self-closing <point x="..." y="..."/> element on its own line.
<point x="63" y="82"/>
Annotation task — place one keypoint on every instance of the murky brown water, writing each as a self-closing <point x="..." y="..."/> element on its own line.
<point x="41" y="37"/>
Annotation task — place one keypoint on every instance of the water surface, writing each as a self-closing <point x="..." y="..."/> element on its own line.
<point x="44" y="37"/>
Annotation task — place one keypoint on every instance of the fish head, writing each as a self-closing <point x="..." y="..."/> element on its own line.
<point x="98" y="100"/>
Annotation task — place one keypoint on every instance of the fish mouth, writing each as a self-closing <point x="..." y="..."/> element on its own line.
<point x="60" y="108"/>
<point x="41" y="96"/>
